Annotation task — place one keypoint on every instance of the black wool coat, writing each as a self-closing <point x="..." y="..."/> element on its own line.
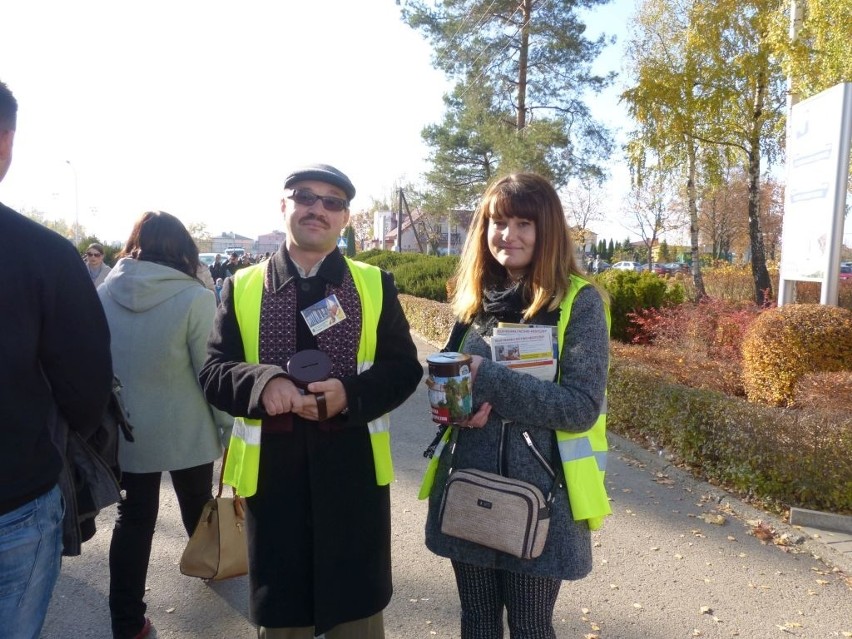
<point x="318" y="526"/>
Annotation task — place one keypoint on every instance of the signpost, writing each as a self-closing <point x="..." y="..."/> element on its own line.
<point x="820" y="130"/>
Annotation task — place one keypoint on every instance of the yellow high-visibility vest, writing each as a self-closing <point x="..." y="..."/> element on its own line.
<point x="242" y="464"/>
<point x="583" y="454"/>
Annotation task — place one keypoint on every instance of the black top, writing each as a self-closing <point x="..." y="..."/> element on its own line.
<point x="55" y="352"/>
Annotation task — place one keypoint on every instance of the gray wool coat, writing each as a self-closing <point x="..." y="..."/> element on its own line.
<point x="539" y="407"/>
<point x="159" y="321"/>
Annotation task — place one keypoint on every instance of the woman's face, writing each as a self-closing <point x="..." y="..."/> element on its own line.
<point x="511" y="241"/>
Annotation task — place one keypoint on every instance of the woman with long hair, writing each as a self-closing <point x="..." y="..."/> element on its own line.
<point x="519" y="267"/>
<point x="159" y="316"/>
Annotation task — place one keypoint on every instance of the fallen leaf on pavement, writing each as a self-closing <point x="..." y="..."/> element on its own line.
<point x="763" y="531"/>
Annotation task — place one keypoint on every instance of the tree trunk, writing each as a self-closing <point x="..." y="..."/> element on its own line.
<point x="762" y="283"/>
<point x="697" y="279"/>
<point x="523" y="62"/>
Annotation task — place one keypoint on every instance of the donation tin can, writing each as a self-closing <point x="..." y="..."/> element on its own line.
<point x="450" y="393"/>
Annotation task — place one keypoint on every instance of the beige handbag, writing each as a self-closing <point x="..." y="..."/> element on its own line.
<point x="495" y="511"/>
<point x="217" y="549"/>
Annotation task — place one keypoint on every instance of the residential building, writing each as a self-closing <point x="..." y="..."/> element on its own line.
<point x="231" y="240"/>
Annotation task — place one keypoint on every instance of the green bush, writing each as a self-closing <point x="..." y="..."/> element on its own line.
<point x="387" y="260"/>
<point x="631" y="292"/>
<point x="415" y="274"/>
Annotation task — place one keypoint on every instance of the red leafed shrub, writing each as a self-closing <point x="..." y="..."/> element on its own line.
<point x="712" y="326"/>
<point x="698" y="343"/>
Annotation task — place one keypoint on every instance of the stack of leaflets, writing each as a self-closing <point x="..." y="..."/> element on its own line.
<point x="526" y="348"/>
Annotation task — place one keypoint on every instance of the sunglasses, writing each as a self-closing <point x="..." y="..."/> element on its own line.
<point x="329" y="203"/>
<point x="90" y="254"/>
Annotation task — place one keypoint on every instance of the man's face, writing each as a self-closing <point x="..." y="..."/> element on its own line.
<point x="313" y="227"/>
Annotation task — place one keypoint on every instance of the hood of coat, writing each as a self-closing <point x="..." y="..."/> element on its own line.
<point x="140" y="286"/>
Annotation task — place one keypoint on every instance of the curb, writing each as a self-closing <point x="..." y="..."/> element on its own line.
<point x="803" y="539"/>
<point x="825" y="521"/>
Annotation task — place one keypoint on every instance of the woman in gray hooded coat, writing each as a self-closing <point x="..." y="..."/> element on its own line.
<point x="159" y="317"/>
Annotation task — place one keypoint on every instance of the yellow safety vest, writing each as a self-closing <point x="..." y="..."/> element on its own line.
<point x="241" y="467"/>
<point x="583" y="454"/>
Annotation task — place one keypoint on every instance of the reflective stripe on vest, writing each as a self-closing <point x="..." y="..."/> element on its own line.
<point x="241" y="467"/>
<point x="583" y="454"/>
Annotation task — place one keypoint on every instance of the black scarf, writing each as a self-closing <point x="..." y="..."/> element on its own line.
<point x="501" y="304"/>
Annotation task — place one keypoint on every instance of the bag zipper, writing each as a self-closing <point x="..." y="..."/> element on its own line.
<point x="557" y="481"/>
<point x="534" y="450"/>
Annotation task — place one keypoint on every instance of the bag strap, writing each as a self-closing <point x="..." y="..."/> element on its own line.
<point x="557" y="481"/>
<point x="239" y="507"/>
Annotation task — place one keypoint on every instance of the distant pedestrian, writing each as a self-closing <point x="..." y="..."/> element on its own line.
<point x="56" y="368"/>
<point x="218" y="269"/>
<point x="219" y="284"/>
<point x="94" y="258"/>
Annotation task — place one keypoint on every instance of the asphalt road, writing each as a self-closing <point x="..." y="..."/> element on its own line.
<point x="678" y="559"/>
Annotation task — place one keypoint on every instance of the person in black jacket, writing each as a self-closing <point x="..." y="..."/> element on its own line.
<point x="218" y="268"/>
<point x="55" y="350"/>
<point x="318" y="499"/>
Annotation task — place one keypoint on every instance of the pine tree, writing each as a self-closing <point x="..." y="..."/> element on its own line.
<point x="522" y="70"/>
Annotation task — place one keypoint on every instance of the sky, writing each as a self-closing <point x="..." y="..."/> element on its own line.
<point x="202" y="108"/>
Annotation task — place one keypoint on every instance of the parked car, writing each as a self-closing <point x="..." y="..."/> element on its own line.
<point x="677" y="267"/>
<point x="626" y="266"/>
<point x="846" y="272"/>
<point x="656" y="268"/>
<point x="207" y="258"/>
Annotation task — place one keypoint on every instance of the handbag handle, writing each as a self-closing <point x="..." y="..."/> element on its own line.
<point x="239" y="506"/>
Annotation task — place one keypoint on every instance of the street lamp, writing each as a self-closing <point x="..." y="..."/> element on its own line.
<point x="76" y="206"/>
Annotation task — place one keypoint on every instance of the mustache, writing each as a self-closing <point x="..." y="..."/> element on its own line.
<point x="312" y="217"/>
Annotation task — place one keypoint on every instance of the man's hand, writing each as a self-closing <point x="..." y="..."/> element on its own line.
<point x="280" y="396"/>
<point x="335" y="399"/>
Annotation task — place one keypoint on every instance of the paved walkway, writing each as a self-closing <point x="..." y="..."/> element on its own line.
<point x="678" y="559"/>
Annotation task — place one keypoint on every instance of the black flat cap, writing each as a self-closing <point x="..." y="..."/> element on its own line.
<point x="321" y="173"/>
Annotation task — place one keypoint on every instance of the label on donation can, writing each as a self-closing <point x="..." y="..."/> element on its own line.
<point x="450" y="393"/>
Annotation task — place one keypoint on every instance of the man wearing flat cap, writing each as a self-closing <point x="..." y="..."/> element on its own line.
<point x="313" y="458"/>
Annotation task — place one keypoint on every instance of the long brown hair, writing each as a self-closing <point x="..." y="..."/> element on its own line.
<point x="160" y="237"/>
<point x="530" y="197"/>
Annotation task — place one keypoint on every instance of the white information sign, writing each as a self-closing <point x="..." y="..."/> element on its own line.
<point x="818" y="157"/>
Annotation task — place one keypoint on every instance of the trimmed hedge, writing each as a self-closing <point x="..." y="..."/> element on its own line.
<point x="781" y="457"/>
<point x="415" y="274"/>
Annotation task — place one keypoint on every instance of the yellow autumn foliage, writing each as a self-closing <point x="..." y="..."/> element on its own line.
<point x="783" y="344"/>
